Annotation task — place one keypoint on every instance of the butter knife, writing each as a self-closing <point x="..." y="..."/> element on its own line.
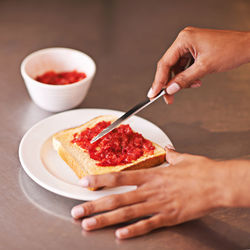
<point x="137" y="108"/>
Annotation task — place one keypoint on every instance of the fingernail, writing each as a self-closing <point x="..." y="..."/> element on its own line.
<point x="121" y="232"/>
<point x="84" y="182"/>
<point x="150" y="93"/>
<point x="77" y="211"/>
<point x="87" y="223"/>
<point x="169" y="146"/>
<point x="195" y="85"/>
<point x="173" y="88"/>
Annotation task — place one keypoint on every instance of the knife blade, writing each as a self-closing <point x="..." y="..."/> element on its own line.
<point x="137" y="108"/>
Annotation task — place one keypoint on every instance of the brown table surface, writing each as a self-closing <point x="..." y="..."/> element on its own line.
<point x="126" y="38"/>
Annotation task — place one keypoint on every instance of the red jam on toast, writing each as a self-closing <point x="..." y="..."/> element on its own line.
<point x="121" y="146"/>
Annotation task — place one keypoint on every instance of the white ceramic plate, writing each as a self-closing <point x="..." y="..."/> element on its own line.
<point x="41" y="162"/>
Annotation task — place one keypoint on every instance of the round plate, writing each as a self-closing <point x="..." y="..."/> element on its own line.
<point x="42" y="163"/>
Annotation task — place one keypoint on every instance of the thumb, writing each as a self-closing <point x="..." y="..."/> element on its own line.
<point x="172" y="156"/>
<point x="185" y="78"/>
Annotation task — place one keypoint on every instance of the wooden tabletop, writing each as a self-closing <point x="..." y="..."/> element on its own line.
<point x="125" y="38"/>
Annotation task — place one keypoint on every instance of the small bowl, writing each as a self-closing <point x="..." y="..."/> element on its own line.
<point x="57" y="98"/>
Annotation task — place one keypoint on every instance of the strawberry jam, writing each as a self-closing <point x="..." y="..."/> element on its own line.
<point x="121" y="146"/>
<point x="61" y="78"/>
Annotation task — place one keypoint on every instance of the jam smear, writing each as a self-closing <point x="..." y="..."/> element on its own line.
<point x="121" y="146"/>
<point x="61" y="78"/>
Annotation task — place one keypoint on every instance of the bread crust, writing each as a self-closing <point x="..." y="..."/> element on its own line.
<point x="81" y="163"/>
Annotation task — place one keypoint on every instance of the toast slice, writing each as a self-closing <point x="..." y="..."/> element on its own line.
<point x="80" y="162"/>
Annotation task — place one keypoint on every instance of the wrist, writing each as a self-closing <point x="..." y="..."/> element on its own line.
<point x="233" y="189"/>
<point x="222" y="194"/>
<point x="245" y="45"/>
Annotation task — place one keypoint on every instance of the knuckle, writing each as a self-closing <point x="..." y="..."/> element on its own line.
<point x="164" y="62"/>
<point x="174" y="211"/>
<point x="89" y="208"/>
<point x="161" y="82"/>
<point x="114" y="201"/>
<point x="101" y="220"/>
<point x="115" y="178"/>
<point x="160" y="220"/>
<point x="203" y="65"/>
<point x="149" y="225"/>
<point x="182" y="80"/>
<point x="189" y="28"/>
<point x="128" y="213"/>
<point x="186" y="33"/>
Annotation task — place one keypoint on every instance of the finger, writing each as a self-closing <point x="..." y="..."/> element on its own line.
<point x="185" y="78"/>
<point x="118" y="216"/>
<point x="140" y="228"/>
<point x="133" y="177"/>
<point x="169" y="99"/>
<point x="172" y="156"/>
<point x="162" y="75"/>
<point x="107" y="203"/>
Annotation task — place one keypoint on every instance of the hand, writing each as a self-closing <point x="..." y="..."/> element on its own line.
<point x="211" y="50"/>
<point x="186" y="190"/>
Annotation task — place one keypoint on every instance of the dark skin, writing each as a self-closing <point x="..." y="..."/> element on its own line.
<point x="192" y="185"/>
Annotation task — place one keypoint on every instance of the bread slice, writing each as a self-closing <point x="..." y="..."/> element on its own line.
<point x="81" y="163"/>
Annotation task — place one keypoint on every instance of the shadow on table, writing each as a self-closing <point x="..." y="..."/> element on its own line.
<point x="46" y="201"/>
<point x="207" y="233"/>
<point x="191" y="235"/>
<point x="225" y="236"/>
<point x="193" y="139"/>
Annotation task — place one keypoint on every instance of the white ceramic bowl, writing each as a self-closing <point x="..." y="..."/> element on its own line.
<point x="57" y="98"/>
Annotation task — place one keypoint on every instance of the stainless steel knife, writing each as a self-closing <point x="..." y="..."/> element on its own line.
<point x="124" y="117"/>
